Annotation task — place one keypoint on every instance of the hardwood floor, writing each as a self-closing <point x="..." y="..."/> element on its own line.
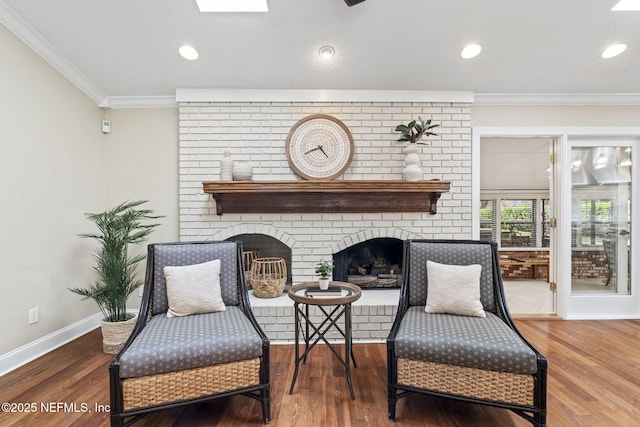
<point x="594" y="380"/>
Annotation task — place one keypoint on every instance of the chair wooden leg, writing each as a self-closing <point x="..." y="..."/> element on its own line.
<point x="116" y="421"/>
<point x="393" y="399"/>
<point x="540" y="420"/>
<point x="265" y="398"/>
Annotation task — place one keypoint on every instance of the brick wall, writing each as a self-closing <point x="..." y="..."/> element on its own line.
<point x="585" y="264"/>
<point x="588" y="264"/>
<point x="256" y="133"/>
<point x="515" y="271"/>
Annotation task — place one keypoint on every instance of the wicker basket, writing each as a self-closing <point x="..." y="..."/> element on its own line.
<point x="268" y="277"/>
<point x="248" y="257"/>
<point x="115" y="334"/>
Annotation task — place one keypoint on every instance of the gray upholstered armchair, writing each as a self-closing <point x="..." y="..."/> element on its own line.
<point x="475" y="355"/>
<point x="180" y="352"/>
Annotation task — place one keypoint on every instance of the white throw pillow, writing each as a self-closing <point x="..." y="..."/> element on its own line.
<point x="193" y="289"/>
<point x="454" y="289"/>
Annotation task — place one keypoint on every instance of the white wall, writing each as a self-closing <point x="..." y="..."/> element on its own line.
<point x="56" y="165"/>
<point x="142" y="164"/>
<point x="52" y="170"/>
<point x="555" y="115"/>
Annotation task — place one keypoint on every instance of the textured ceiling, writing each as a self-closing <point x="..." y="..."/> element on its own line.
<point x="129" y="48"/>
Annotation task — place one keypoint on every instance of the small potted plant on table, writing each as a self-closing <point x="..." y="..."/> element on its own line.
<point x="323" y="270"/>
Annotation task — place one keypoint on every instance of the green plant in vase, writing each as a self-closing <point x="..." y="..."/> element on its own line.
<point x="323" y="271"/>
<point x="413" y="133"/>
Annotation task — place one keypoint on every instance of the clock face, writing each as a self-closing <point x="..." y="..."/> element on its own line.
<point x="319" y="147"/>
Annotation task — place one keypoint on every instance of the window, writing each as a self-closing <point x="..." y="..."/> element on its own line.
<point x="521" y="222"/>
<point x="596" y="223"/>
<point x="517" y="223"/>
<point x="488" y="220"/>
<point x="546" y="227"/>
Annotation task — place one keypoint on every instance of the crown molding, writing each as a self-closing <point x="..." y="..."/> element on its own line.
<point x="119" y="102"/>
<point x="557" y="99"/>
<point x="10" y="19"/>
<point x="319" y="95"/>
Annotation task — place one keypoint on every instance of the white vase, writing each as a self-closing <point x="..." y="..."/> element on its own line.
<point x="323" y="283"/>
<point x="226" y="167"/>
<point x="242" y="171"/>
<point x="412" y="170"/>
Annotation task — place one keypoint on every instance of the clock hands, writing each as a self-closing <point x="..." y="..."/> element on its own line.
<point x="319" y="147"/>
<point x="323" y="152"/>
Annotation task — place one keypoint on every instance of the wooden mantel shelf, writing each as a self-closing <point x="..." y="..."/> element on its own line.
<point x="325" y="196"/>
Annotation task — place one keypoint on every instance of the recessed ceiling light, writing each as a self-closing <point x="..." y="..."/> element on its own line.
<point x="232" y="5"/>
<point x="326" y="52"/>
<point x="613" y="50"/>
<point x="626" y="5"/>
<point x="471" y="51"/>
<point x="188" y="52"/>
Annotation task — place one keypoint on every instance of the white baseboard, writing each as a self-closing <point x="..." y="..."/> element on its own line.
<point x="28" y="352"/>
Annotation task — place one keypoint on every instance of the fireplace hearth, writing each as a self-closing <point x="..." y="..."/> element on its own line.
<point x="372" y="264"/>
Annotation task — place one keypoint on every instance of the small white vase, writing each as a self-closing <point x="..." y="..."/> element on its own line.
<point x="323" y="283"/>
<point x="412" y="170"/>
<point x="242" y="171"/>
<point x="226" y="167"/>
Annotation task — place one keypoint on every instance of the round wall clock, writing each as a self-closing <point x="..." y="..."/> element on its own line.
<point x="319" y="147"/>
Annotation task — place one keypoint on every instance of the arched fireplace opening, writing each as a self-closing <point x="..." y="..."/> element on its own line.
<point x="372" y="264"/>
<point x="266" y="247"/>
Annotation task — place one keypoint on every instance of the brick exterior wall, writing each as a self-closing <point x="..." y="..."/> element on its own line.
<point x="256" y="133"/>
<point x="585" y="264"/>
<point x="588" y="264"/>
<point x="510" y="272"/>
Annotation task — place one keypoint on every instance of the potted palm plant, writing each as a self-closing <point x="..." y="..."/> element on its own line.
<point x="124" y="225"/>
<point x="323" y="270"/>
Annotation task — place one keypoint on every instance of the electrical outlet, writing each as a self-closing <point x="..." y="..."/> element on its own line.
<point x="33" y="315"/>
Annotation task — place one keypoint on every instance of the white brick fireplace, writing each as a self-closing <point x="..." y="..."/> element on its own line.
<point x="255" y="132"/>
